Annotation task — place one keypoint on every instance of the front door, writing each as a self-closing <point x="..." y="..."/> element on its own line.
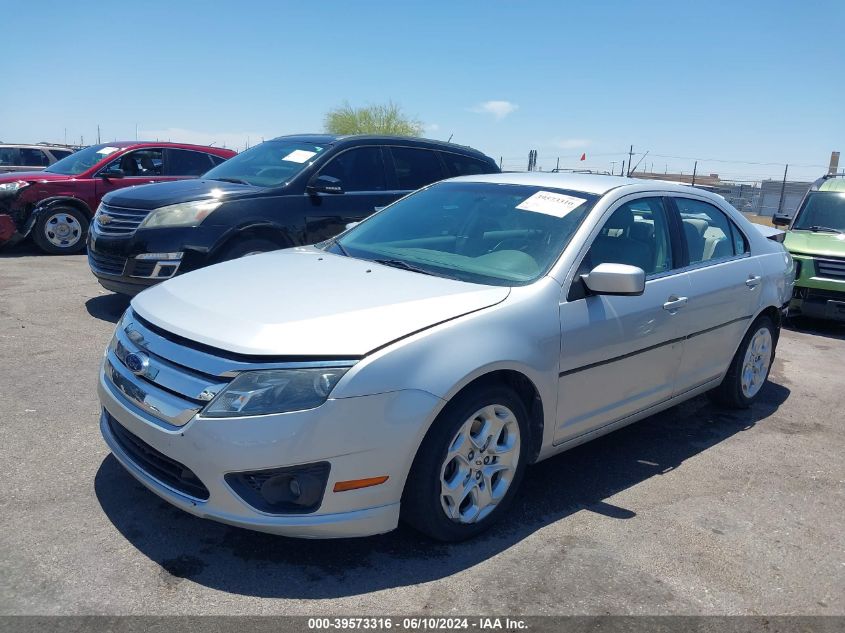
<point x="363" y="177"/>
<point x="140" y="167"/>
<point x="620" y="354"/>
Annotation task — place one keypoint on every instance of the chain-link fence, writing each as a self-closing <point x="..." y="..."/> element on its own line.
<point x="755" y="188"/>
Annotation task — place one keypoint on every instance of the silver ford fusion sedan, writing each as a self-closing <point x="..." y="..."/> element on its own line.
<point x="414" y="366"/>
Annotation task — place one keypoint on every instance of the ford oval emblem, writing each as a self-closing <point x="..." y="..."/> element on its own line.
<point x="137" y="362"/>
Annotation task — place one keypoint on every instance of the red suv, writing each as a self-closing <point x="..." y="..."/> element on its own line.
<point x="57" y="204"/>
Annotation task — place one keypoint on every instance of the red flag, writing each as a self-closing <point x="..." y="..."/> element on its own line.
<point x="584" y="156"/>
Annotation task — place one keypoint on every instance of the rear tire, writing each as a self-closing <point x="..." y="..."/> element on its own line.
<point x="469" y="466"/>
<point x="749" y="368"/>
<point x="61" y="230"/>
<point x="244" y="248"/>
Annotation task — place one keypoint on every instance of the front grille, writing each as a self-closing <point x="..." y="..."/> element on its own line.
<point x="830" y="268"/>
<point x="158" y="465"/>
<point x="122" y="221"/>
<point x="106" y="264"/>
<point x="143" y="268"/>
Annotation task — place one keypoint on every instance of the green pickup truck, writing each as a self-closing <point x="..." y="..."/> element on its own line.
<point x="816" y="239"/>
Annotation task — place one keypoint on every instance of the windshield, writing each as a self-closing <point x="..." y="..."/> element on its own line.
<point x="822" y="211"/>
<point x="83" y="160"/>
<point x="488" y="233"/>
<point x="269" y="164"/>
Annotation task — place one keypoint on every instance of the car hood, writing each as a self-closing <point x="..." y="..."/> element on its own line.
<point x="162" y="194"/>
<point x="32" y="176"/>
<point x="809" y="243"/>
<point x="306" y="302"/>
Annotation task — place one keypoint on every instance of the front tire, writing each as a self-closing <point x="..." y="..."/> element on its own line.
<point x="749" y="368"/>
<point x="61" y="231"/>
<point x="469" y="466"/>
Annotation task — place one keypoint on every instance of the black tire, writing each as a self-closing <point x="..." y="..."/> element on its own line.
<point x="250" y="246"/>
<point x="421" y="500"/>
<point x="730" y="393"/>
<point x="50" y="241"/>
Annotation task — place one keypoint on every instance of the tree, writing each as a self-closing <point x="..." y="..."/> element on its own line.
<point x="373" y="119"/>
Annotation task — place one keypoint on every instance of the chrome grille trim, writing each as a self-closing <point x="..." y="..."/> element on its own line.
<point x="124" y="221"/>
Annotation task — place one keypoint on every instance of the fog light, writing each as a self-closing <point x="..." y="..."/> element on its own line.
<point x="288" y="490"/>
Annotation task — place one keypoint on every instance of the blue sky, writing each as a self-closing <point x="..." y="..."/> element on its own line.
<point x="759" y="82"/>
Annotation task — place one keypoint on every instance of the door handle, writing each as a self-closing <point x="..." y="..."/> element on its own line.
<point x="752" y="281"/>
<point x="674" y="303"/>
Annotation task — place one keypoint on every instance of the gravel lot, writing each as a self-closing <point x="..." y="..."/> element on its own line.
<point x="693" y="511"/>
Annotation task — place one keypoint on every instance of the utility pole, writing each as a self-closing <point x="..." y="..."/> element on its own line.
<point x="557" y="166"/>
<point x="500" y="163"/>
<point x="622" y="171"/>
<point x="613" y="168"/>
<point x="694" y="170"/>
<point x="782" y="189"/>
<point x="630" y="158"/>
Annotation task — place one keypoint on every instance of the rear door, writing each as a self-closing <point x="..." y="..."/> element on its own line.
<point x="366" y="188"/>
<point x="185" y="163"/>
<point x="725" y="290"/>
<point x="620" y="354"/>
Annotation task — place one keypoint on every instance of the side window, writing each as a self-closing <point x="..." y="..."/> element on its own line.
<point x="34" y="157"/>
<point x="416" y="168"/>
<point x="59" y="154"/>
<point x="141" y="163"/>
<point x="637" y="234"/>
<point x="182" y="162"/>
<point x="708" y="232"/>
<point x="9" y="156"/>
<point x="464" y="165"/>
<point x="359" y="169"/>
<point x="216" y="160"/>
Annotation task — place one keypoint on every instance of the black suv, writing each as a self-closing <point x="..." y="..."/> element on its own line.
<point x="290" y="191"/>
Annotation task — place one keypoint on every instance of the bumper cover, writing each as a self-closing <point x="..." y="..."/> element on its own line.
<point x="360" y="437"/>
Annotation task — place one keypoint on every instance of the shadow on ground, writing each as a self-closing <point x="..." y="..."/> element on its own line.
<point x="817" y="327"/>
<point x="255" y="564"/>
<point x="108" y="307"/>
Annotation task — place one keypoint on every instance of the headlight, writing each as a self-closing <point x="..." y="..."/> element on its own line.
<point x="182" y="214"/>
<point x="13" y="187"/>
<point x="274" y="391"/>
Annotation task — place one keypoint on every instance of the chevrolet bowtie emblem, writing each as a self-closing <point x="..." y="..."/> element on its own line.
<point x="103" y="218"/>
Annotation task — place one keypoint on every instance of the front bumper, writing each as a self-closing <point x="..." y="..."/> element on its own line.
<point x="360" y="437"/>
<point x="816" y="295"/>
<point x="116" y="260"/>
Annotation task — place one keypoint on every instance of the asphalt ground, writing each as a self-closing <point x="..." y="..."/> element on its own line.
<point x="692" y="511"/>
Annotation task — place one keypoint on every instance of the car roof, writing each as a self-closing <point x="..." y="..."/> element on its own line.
<point x="35" y="146"/>
<point x="588" y="183"/>
<point x="331" y="139"/>
<point x="833" y="184"/>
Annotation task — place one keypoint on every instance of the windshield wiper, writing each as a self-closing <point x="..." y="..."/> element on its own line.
<point x="399" y="263"/>
<point x="332" y="241"/>
<point x="825" y="229"/>
<point x="237" y="181"/>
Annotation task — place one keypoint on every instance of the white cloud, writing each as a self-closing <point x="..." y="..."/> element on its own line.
<point x="499" y="109"/>
<point x="232" y="140"/>
<point x="571" y="143"/>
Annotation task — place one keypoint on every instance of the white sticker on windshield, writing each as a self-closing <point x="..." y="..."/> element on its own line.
<point x="105" y="151"/>
<point x="299" y="156"/>
<point x="556" y="204"/>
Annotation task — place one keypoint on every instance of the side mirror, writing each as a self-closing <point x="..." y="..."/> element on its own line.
<point x="781" y="220"/>
<point x="325" y="184"/>
<point x="112" y="172"/>
<point x="615" y="279"/>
